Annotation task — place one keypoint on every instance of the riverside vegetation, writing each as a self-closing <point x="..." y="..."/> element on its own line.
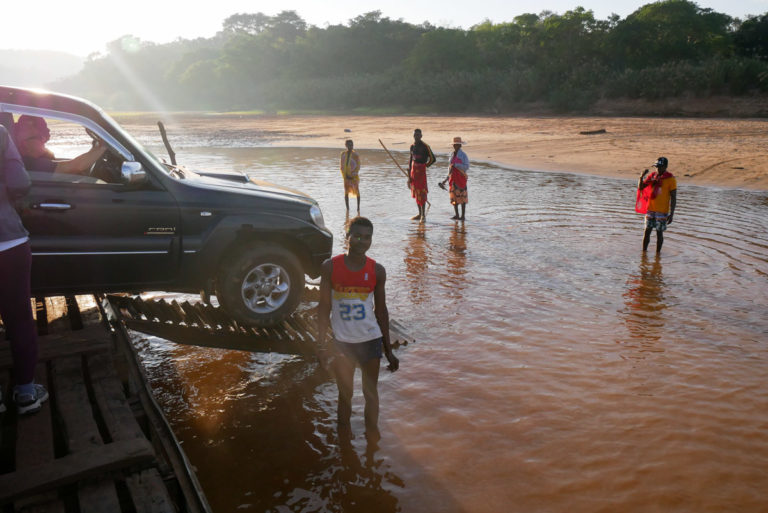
<point x="563" y="62"/>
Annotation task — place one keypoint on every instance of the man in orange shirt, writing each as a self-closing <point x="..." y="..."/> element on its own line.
<point x="656" y="198"/>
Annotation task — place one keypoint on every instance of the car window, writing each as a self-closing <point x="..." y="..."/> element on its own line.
<point x="49" y="146"/>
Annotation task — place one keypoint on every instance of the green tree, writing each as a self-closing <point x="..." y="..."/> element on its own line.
<point x="751" y="38"/>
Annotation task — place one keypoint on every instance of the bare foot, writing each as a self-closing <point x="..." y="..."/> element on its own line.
<point x="416" y="217"/>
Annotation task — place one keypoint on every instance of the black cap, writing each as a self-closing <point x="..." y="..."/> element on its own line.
<point x="661" y="162"/>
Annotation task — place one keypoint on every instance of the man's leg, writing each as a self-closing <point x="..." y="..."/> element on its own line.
<point x="358" y="202"/>
<point x="371" y="394"/>
<point x="659" y="239"/>
<point x="344" y="371"/>
<point x="455" y="211"/>
<point x="647" y="237"/>
<point x="346" y="199"/>
<point x="463" y="210"/>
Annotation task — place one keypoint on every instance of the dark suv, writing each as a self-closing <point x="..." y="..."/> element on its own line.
<point x="135" y="223"/>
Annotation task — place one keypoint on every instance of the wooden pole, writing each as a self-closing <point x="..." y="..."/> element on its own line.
<point x="400" y="168"/>
<point x="393" y="160"/>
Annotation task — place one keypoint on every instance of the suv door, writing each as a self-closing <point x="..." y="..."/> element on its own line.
<point x="97" y="236"/>
<point x="88" y="234"/>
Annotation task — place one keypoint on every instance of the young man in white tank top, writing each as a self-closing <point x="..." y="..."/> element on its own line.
<point x="352" y="295"/>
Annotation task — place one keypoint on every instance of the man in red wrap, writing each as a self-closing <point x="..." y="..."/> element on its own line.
<point x="421" y="158"/>
<point x="656" y="198"/>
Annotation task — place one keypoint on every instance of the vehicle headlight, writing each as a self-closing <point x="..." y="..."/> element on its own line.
<point x="317" y="216"/>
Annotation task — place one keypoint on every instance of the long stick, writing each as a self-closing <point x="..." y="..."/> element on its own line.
<point x="393" y="159"/>
<point x="401" y="169"/>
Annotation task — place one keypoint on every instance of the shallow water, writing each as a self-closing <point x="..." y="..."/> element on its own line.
<point x="556" y="367"/>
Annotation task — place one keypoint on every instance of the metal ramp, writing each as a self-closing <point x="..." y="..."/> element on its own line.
<point x="204" y="325"/>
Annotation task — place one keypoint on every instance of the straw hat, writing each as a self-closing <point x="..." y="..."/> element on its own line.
<point x="457" y="140"/>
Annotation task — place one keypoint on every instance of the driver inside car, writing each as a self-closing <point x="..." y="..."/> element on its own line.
<point x="31" y="133"/>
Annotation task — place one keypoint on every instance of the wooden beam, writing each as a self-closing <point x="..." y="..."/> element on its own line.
<point x="87" y="464"/>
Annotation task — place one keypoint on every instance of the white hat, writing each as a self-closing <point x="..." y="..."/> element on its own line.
<point x="457" y="140"/>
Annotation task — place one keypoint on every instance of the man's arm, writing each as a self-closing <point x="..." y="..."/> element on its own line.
<point x="672" y="204"/>
<point x="324" y="309"/>
<point x="382" y="316"/>
<point x="82" y="163"/>
<point x="17" y="181"/>
<point x="431" y="156"/>
<point x="641" y="182"/>
<point x="410" y="165"/>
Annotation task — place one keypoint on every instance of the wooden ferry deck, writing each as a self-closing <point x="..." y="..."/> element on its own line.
<point x="100" y="443"/>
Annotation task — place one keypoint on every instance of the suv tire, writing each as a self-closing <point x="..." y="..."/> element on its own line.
<point x="260" y="285"/>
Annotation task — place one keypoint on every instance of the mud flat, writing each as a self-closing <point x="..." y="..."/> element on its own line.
<point x="714" y="151"/>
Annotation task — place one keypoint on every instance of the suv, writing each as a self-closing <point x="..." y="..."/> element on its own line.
<point x="135" y="223"/>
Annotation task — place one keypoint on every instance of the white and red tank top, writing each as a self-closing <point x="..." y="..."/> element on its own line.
<point x="352" y="315"/>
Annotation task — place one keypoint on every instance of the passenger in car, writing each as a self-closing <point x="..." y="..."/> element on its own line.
<point x="31" y="133"/>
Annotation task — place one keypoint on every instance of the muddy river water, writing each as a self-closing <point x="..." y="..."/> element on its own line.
<point x="556" y="368"/>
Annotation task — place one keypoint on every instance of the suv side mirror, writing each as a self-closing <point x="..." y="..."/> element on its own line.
<point x="132" y="173"/>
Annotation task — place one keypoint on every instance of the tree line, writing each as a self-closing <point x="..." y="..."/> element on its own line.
<point x="373" y="63"/>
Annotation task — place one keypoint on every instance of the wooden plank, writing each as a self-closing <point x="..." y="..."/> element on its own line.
<point x="73" y="312"/>
<point x="34" y="446"/>
<point x="53" y="505"/>
<point x="34" y="433"/>
<point x="41" y="314"/>
<point x="149" y="493"/>
<point x="97" y="496"/>
<point x="90" y="463"/>
<point x="111" y="400"/>
<point x="81" y="432"/>
<point x="89" y="340"/>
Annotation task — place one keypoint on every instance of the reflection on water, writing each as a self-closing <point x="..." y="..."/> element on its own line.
<point x="556" y="368"/>
<point x="644" y="299"/>
<point x="417" y="259"/>
<point x="457" y="261"/>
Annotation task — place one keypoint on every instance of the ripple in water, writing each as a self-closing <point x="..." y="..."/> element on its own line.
<point x="556" y="369"/>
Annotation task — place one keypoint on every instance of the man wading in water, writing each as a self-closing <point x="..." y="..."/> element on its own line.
<point x="421" y="158"/>
<point x="457" y="179"/>
<point x="656" y="198"/>
<point x="350" y="169"/>
<point x="352" y="293"/>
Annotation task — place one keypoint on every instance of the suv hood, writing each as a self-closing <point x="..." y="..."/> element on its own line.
<point x="240" y="181"/>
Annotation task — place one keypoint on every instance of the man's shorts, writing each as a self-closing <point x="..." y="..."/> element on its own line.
<point x="657" y="220"/>
<point x="361" y="352"/>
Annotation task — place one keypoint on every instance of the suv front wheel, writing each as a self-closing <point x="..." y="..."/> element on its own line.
<point x="260" y="285"/>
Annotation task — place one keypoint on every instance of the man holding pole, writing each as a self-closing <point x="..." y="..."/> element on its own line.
<point x="421" y="158"/>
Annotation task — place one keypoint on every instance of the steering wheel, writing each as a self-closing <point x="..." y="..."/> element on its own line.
<point x="108" y="167"/>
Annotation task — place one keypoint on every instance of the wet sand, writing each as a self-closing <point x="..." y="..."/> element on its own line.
<point x="720" y="152"/>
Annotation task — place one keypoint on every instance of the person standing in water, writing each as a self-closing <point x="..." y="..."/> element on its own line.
<point x="421" y="158"/>
<point x="350" y="170"/>
<point x="457" y="179"/>
<point x="656" y="198"/>
<point x="352" y="295"/>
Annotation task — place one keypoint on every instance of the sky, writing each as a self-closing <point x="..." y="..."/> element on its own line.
<point x="82" y="27"/>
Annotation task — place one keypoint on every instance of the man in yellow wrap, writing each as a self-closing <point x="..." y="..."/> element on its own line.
<point x="350" y="170"/>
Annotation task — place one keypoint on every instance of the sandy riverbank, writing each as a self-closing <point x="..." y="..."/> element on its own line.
<point x="722" y="152"/>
